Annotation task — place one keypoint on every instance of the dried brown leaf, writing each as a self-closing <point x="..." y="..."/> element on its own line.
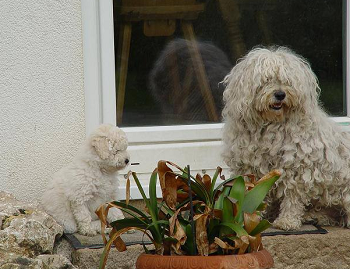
<point x="217" y="194"/>
<point x="102" y="213"/>
<point x="207" y="182"/>
<point x="172" y="220"/>
<point x="250" y="221"/>
<point x="217" y="213"/>
<point x="238" y="243"/>
<point x="249" y="185"/>
<point x="182" y="196"/>
<point x="245" y="239"/>
<point x="252" y="178"/>
<point x="181" y="185"/>
<point x="199" y="178"/>
<point x="170" y="194"/>
<point x="180" y="236"/>
<point x="201" y="234"/>
<point x="269" y="175"/>
<point x="174" y="164"/>
<point x="223" y="245"/>
<point x="243" y="249"/>
<point x="118" y="242"/>
<point x="162" y="169"/>
<point x="127" y="198"/>
<point x="213" y="247"/>
<point x="245" y="242"/>
<point x="255" y="242"/>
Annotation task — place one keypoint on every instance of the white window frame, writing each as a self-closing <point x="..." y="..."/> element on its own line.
<point x="100" y="104"/>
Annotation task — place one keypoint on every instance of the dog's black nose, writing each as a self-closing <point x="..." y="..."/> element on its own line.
<point x="280" y="95"/>
<point x="126" y="161"/>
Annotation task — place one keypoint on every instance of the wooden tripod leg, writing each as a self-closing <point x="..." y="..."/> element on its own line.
<point x="231" y="15"/>
<point x="199" y="70"/>
<point x="122" y="67"/>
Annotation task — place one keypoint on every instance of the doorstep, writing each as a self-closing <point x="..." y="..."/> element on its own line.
<point x="311" y="251"/>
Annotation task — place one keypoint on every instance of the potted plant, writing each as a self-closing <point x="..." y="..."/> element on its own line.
<point x="198" y="223"/>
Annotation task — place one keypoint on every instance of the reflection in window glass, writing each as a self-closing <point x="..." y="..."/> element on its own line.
<point x="171" y="55"/>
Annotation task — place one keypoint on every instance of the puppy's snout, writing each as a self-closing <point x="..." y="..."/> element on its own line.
<point x="127" y="161"/>
<point x="280" y="95"/>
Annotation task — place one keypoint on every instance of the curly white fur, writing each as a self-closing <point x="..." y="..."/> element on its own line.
<point x="78" y="189"/>
<point x="294" y="135"/>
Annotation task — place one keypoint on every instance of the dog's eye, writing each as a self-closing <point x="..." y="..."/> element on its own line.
<point x="116" y="152"/>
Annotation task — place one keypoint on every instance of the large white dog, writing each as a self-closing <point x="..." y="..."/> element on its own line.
<point x="273" y="121"/>
<point x="79" y="188"/>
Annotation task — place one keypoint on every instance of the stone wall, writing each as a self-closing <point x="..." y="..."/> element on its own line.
<point x="27" y="236"/>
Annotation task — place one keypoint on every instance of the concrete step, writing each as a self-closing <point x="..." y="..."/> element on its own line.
<point x="305" y="251"/>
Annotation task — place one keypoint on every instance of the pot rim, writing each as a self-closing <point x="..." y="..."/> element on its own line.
<point x="261" y="259"/>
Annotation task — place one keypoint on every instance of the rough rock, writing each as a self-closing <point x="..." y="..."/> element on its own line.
<point x="55" y="262"/>
<point x="51" y="261"/>
<point x="26" y="232"/>
<point x="15" y="261"/>
<point x="25" y="229"/>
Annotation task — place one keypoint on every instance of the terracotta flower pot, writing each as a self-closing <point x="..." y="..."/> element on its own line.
<point x="257" y="260"/>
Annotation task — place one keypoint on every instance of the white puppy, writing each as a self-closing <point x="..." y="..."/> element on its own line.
<point x="273" y="121"/>
<point x="79" y="188"/>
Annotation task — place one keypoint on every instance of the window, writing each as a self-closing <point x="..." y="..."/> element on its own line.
<point x="169" y="57"/>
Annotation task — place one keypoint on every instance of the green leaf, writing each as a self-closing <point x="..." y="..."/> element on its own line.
<point x="213" y="229"/>
<point x="153" y="192"/>
<point x="146" y="220"/>
<point x="222" y="184"/>
<point x="238" y="192"/>
<point x="142" y="192"/>
<point x="262" y="226"/>
<point x="168" y="210"/>
<point x="130" y="207"/>
<point x="170" y="239"/>
<point x="227" y="215"/>
<point x="219" y="204"/>
<point x="129" y="222"/>
<point x="189" y="242"/>
<point x="227" y="210"/>
<point x="238" y="189"/>
<point x="161" y="222"/>
<point x="157" y="235"/>
<point x="256" y="195"/>
<point x="261" y="207"/>
<point x="237" y="228"/>
<point x="213" y="182"/>
<point x="198" y="189"/>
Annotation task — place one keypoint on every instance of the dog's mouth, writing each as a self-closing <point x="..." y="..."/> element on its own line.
<point x="277" y="106"/>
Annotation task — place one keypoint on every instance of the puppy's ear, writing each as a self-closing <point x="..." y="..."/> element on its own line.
<point x="101" y="146"/>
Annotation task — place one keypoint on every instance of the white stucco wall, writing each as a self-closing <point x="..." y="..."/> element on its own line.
<point x="41" y="91"/>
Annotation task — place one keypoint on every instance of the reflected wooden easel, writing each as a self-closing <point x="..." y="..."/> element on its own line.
<point x="159" y="19"/>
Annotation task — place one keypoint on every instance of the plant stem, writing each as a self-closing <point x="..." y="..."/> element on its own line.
<point x="191" y="211"/>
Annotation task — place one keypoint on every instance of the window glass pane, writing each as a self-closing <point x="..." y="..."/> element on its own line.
<point x="171" y="55"/>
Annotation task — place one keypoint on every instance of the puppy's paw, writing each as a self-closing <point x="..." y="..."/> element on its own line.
<point x="287" y="223"/>
<point x="86" y="230"/>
